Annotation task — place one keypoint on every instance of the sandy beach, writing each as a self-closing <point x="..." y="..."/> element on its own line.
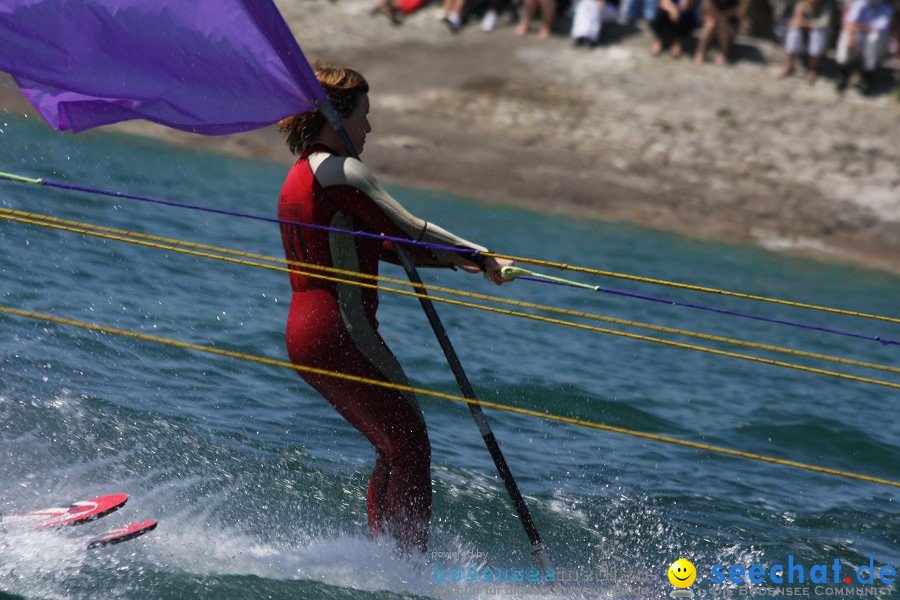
<point x="733" y="154"/>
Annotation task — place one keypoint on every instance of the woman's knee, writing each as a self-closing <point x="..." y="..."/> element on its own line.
<point x="406" y="443"/>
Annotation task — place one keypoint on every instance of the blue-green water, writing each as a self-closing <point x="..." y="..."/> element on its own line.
<point x="259" y="486"/>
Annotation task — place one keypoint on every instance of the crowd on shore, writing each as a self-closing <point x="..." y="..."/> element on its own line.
<point x="862" y="33"/>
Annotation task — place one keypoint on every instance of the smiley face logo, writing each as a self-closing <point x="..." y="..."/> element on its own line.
<point x="682" y="573"/>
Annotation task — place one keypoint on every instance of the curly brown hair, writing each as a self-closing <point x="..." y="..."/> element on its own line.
<point x="343" y="87"/>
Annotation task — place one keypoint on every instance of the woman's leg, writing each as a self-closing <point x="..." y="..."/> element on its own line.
<point x="706" y="35"/>
<point x="548" y="13"/>
<point x="725" y="32"/>
<point x="529" y="7"/>
<point x="399" y="496"/>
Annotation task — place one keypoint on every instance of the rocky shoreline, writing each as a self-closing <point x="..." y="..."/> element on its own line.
<point x="733" y="154"/>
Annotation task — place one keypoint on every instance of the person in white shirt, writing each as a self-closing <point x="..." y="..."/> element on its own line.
<point x="864" y="37"/>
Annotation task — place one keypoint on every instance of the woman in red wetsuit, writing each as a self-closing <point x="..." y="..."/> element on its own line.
<point x="332" y="325"/>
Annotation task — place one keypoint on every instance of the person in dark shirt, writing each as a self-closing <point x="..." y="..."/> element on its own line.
<point x="674" y="22"/>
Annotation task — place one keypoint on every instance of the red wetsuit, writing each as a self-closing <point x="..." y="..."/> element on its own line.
<point x="332" y="326"/>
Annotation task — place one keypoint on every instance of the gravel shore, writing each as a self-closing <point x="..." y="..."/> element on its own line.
<point x="726" y="153"/>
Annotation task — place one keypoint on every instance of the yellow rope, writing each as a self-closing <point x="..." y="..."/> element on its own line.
<point x="685" y="286"/>
<point x="436" y="394"/>
<point x="565" y="266"/>
<point x="72" y="225"/>
<point x="5" y="213"/>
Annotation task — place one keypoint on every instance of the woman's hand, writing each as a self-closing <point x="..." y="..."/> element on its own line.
<point x="492" y="268"/>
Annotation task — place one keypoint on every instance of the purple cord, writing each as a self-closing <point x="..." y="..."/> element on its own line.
<point x="363" y="234"/>
<point x="430" y="246"/>
<point x="879" y="339"/>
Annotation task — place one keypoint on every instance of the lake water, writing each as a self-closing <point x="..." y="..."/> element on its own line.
<point x="258" y="484"/>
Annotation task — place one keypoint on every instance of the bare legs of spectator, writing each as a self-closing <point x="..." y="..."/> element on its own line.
<point x="715" y="26"/>
<point x="725" y="33"/>
<point x="706" y="35"/>
<point x="812" y="70"/>
<point x="548" y="11"/>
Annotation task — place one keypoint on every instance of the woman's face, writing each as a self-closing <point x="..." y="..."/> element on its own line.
<point x="357" y="124"/>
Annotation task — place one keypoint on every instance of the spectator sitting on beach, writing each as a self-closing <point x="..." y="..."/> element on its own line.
<point x="720" y="20"/>
<point x="674" y="22"/>
<point x="548" y="12"/>
<point x="812" y="19"/>
<point x="864" y="36"/>
<point x="587" y="21"/>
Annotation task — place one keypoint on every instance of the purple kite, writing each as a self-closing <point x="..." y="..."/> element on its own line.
<point x="207" y="66"/>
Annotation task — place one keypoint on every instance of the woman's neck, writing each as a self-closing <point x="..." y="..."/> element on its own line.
<point x="330" y="139"/>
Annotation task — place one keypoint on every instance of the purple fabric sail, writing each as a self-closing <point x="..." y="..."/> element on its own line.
<point x="205" y="66"/>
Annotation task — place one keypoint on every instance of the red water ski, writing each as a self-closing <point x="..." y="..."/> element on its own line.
<point x="122" y="534"/>
<point x="76" y="512"/>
